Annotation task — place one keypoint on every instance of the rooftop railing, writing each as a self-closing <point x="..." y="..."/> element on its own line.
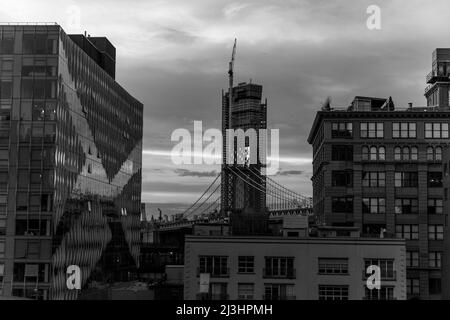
<point x="28" y="23"/>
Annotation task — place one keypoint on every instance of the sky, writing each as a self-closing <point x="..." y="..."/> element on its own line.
<point x="173" y="57"/>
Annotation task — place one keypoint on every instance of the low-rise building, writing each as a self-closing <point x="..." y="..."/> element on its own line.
<point x="289" y="268"/>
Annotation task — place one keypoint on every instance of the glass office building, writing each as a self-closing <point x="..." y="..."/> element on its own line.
<point x="70" y="164"/>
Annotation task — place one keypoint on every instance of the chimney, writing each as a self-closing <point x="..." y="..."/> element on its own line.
<point x="410" y="105"/>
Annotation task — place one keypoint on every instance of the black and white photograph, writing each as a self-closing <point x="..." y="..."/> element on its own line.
<point x="224" y="158"/>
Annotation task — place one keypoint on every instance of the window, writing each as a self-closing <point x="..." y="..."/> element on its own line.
<point x="50" y="89"/>
<point x="373" y="179"/>
<point x="435" y="206"/>
<point x="246" y="291"/>
<point x="279" y="267"/>
<point x="2" y="227"/>
<point x="246" y="264"/>
<point x="406" y="179"/>
<point x="407" y="231"/>
<point x="216" y="266"/>
<point x="31" y="272"/>
<point x="278" y="292"/>
<point x="398" y="153"/>
<point x="434" y="154"/>
<point x="4" y="158"/>
<point x="22" y="201"/>
<point x="382" y="153"/>
<point x="327" y="292"/>
<point x="435" y="286"/>
<point x="32" y="227"/>
<point x="436" y="232"/>
<point x="342" y="178"/>
<point x="23" y="179"/>
<point x="436" y="130"/>
<point x="342" y="130"/>
<point x="342" y="205"/>
<point x="218" y="291"/>
<point x="372" y="130"/>
<point x="7" y="65"/>
<point x="7" y="43"/>
<point x="430" y="154"/>
<point x="386" y="266"/>
<point x="341" y="153"/>
<point x="412" y="287"/>
<point x="374" y="205"/>
<point x="435" y="179"/>
<point x="373" y="153"/>
<point x="412" y="258"/>
<point x="5" y="89"/>
<point x="435" y="259"/>
<point x="365" y="153"/>
<point x="28" y="44"/>
<point x="2" y="271"/>
<point x="3" y="196"/>
<point x="404" y="130"/>
<point x="406" y="153"/>
<point x="38" y="111"/>
<point x="438" y="154"/>
<point x="406" y="206"/>
<point x="333" y="266"/>
<point x="2" y="249"/>
<point x="50" y="111"/>
<point x="385" y="293"/>
<point x="414" y="154"/>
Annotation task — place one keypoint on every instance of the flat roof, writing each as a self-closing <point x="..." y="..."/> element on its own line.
<point x="305" y="240"/>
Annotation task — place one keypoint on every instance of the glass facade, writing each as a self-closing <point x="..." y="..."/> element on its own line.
<point x="70" y="166"/>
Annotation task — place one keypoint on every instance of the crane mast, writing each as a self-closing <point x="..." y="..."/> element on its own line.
<point x="227" y="103"/>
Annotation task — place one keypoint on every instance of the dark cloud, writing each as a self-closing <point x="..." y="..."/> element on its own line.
<point x="199" y="174"/>
<point x="290" y="172"/>
<point x="176" y="36"/>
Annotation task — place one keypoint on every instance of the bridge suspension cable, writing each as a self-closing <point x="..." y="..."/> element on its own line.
<point x="198" y="200"/>
<point x="277" y="197"/>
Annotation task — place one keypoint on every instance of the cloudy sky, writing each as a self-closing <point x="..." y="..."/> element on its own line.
<point x="173" y="56"/>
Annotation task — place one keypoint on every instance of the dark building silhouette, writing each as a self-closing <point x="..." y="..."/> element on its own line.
<point x="381" y="169"/>
<point x="70" y="164"/>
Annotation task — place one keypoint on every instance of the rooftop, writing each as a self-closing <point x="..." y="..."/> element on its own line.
<point x="287" y="240"/>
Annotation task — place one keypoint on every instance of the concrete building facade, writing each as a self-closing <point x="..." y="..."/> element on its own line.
<point x="380" y="169"/>
<point x="274" y="268"/>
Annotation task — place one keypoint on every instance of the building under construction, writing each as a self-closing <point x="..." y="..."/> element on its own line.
<point x="247" y="199"/>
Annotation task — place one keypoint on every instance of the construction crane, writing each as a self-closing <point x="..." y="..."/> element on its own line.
<point x="226" y="124"/>
<point x="231" y="73"/>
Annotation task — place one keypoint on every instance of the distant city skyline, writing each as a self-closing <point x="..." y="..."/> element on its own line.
<point x="173" y="56"/>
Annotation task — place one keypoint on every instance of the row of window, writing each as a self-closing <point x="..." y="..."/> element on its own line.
<point x="434" y="259"/>
<point x="32" y="43"/>
<point x="31" y="88"/>
<point x="411" y="232"/>
<point x="378" y="205"/>
<point x="284" y="266"/>
<point x="278" y="291"/>
<point x="378" y="153"/>
<point x="400" y="130"/>
<point x="36" y="201"/>
<point x="276" y="267"/>
<point x="378" y="179"/>
<point x="246" y="291"/>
